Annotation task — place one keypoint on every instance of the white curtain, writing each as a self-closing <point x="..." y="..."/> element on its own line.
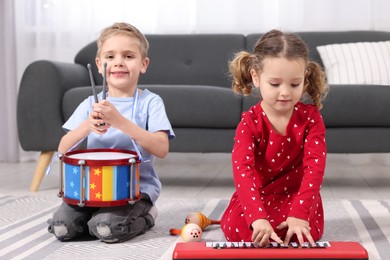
<point x="57" y="29"/>
<point x="8" y="131"/>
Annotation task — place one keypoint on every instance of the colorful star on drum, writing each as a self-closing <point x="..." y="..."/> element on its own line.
<point x="72" y="181"/>
<point x="97" y="172"/>
<point x="98" y="195"/>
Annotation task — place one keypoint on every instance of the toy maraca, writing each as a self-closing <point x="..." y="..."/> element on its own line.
<point x="191" y="232"/>
<point x="195" y="223"/>
<point x="200" y="219"/>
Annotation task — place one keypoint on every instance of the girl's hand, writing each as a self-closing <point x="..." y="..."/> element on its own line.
<point x="262" y="232"/>
<point x="298" y="227"/>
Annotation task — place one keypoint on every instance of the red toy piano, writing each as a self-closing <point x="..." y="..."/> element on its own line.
<point x="247" y="250"/>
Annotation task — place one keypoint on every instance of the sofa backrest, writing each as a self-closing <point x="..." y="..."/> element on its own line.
<point x="194" y="59"/>
<point x="314" y="39"/>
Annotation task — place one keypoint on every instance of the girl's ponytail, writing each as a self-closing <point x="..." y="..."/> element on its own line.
<point x="240" y="68"/>
<point x="315" y="83"/>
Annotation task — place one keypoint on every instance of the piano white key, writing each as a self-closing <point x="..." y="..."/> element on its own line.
<point x="284" y="246"/>
<point x="305" y="245"/>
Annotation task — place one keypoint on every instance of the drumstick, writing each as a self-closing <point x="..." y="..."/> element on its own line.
<point x="104" y="80"/>
<point x="92" y="83"/>
<point x="93" y="87"/>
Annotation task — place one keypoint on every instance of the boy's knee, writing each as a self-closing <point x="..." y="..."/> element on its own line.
<point x="111" y="232"/>
<point x="63" y="231"/>
<point x="67" y="226"/>
<point x="59" y="229"/>
<point x="104" y="231"/>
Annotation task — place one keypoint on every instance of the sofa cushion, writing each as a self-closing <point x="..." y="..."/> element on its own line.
<point x="200" y="140"/>
<point x="357" y="63"/>
<point x="357" y="139"/>
<point x="314" y="39"/>
<point x="193" y="59"/>
<point x="348" y="106"/>
<point x="186" y="106"/>
<point x="357" y="106"/>
<point x="199" y="106"/>
<point x="73" y="98"/>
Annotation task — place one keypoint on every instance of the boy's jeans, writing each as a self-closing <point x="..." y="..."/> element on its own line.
<point x="110" y="224"/>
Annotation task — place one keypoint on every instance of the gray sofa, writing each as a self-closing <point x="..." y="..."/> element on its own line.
<point x="190" y="73"/>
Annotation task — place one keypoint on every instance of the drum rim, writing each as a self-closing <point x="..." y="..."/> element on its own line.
<point x="108" y="203"/>
<point x="92" y="162"/>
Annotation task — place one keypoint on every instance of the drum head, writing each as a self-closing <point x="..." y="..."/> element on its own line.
<point x="100" y="157"/>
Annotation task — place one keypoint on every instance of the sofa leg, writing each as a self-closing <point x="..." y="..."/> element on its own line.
<point x="43" y="162"/>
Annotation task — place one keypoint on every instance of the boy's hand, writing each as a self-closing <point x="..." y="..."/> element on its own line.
<point x="262" y="232"/>
<point x="108" y="113"/>
<point x="97" y="124"/>
<point x="298" y="227"/>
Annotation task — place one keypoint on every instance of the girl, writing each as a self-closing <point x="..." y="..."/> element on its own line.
<point x="279" y="150"/>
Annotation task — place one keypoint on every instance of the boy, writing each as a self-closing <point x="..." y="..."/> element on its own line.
<point x="128" y="117"/>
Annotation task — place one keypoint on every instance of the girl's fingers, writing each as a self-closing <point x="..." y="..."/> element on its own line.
<point x="289" y="234"/>
<point x="282" y="225"/>
<point x="264" y="241"/>
<point x="275" y="238"/>
<point x="300" y="238"/>
<point x="309" y="237"/>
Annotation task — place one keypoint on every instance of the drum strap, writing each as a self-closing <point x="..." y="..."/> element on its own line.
<point x="135" y="103"/>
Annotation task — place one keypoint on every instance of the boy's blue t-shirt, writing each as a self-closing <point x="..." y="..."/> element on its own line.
<point x="150" y="115"/>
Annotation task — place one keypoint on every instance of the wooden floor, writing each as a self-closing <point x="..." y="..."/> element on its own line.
<point x="347" y="176"/>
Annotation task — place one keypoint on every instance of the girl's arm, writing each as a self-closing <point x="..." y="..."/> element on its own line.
<point x="244" y="170"/>
<point x="314" y="161"/>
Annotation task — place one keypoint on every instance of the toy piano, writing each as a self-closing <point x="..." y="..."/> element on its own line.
<point x="247" y="250"/>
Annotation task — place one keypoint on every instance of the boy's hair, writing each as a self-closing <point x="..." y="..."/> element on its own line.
<point x="277" y="44"/>
<point x="123" y="29"/>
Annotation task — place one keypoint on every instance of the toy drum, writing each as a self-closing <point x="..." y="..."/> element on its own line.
<point x="100" y="177"/>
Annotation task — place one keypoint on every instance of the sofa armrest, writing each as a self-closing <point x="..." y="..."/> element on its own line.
<point x="39" y="109"/>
